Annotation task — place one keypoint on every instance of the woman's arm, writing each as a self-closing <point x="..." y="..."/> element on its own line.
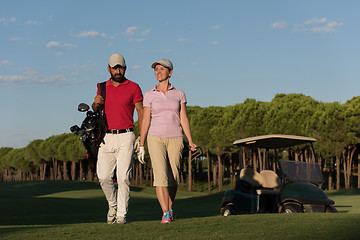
<point x="184" y="121"/>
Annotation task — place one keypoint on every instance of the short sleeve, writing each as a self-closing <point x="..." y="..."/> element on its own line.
<point x="137" y="94"/>
<point x="182" y="97"/>
<point x="147" y="100"/>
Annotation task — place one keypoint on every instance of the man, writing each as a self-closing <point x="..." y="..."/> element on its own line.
<point x="116" y="150"/>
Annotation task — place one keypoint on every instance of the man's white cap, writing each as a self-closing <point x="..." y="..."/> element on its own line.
<point x="164" y="62"/>
<point x="117" y="59"/>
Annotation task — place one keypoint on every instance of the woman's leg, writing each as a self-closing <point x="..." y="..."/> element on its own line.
<point x="162" y="194"/>
<point x="175" y="147"/>
<point x="159" y="162"/>
<point x="172" y="195"/>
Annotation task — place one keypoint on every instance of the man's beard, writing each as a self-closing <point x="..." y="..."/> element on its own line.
<point x="118" y="78"/>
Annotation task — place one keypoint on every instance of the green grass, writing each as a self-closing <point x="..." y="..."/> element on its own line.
<point x="77" y="210"/>
<point x="346" y="201"/>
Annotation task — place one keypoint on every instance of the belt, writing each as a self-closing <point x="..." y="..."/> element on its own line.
<point x="118" y="131"/>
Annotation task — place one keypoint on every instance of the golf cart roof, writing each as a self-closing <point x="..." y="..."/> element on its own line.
<point x="274" y="141"/>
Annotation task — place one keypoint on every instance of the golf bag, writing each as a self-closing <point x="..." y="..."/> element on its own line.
<point x="92" y="130"/>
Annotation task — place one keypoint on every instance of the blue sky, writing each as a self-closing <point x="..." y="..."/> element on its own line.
<point x="52" y="54"/>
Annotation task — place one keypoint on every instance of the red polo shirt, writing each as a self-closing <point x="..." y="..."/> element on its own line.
<point x="120" y="103"/>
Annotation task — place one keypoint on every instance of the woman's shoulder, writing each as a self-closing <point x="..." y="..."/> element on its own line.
<point x="148" y="92"/>
<point x="179" y="91"/>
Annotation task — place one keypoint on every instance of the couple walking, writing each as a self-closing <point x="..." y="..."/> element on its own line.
<point x="161" y="116"/>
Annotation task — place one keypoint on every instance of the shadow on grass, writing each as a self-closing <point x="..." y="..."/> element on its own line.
<point x="13" y="230"/>
<point x="23" y="203"/>
<point x="343" y="192"/>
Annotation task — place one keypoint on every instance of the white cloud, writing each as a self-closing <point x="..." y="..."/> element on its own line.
<point x="334" y="24"/>
<point x="322" y="29"/>
<point x="30" y="76"/>
<point x="131" y="39"/>
<point x="318" y="25"/>
<point x="135" y="67"/>
<point x="130" y="31"/>
<point x="215" y="27"/>
<point x="181" y="40"/>
<point x="53" y="44"/>
<point x="5" y="62"/>
<point x="58" y="45"/>
<point x="214" y="43"/>
<point x="75" y="69"/>
<point x="330" y="27"/>
<point x="146" y="32"/>
<point x="7" y="20"/>
<point x="14" y="39"/>
<point x="279" y="25"/>
<point x="31" y="22"/>
<point x="315" y="21"/>
<point x="49" y="79"/>
<point x="92" y="34"/>
<point x="11" y="79"/>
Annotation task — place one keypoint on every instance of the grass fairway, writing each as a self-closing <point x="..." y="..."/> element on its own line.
<point x="77" y="210"/>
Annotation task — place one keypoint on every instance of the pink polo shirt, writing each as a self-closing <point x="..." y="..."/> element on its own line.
<point x="120" y="103"/>
<point x="165" y="112"/>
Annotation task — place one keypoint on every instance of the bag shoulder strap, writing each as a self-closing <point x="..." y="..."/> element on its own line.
<point x="103" y="90"/>
<point x="103" y="94"/>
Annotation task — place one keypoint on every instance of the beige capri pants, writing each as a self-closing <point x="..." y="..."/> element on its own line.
<point x="165" y="154"/>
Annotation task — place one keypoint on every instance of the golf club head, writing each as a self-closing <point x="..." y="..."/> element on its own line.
<point x="74" y="129"/>
<point x="83" y="107"/>
<point x="90" y="113"/>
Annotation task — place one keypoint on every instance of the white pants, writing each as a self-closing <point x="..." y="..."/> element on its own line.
<point x="116" y="152"/>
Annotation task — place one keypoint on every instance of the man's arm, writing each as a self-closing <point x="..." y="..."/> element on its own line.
<point x="98" y="103"/>
<point x="140" y="111"/>
<point x="145" y="125"/>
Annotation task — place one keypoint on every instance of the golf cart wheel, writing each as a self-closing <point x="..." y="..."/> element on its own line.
<point x="330" y="209"/>
<point x="228" y="210"/>
<point x="291" y="208"/>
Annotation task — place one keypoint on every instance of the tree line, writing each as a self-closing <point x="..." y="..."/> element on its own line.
<point x="336" y="126"/>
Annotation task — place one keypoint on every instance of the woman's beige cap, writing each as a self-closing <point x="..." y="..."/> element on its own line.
<point x="164" y="62"/>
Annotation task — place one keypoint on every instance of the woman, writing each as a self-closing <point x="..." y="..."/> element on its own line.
<point x="163" y="116"/>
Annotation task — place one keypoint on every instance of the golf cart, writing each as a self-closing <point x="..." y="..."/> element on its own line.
<point x="293" y="189"/>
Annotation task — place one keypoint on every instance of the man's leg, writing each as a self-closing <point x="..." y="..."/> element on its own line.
<point x="105" y="171"/>
<point x="124" y="167"/>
